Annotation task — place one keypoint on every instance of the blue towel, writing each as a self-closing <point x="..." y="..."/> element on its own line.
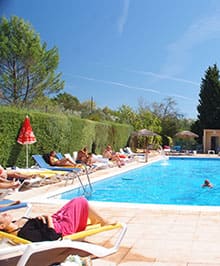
<point x="16" y="206"/>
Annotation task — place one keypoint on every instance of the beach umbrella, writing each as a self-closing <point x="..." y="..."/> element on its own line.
<point x="144" y="133"/>
<point x="186" y="134"/>
<point x="187" y="137"/>
<point x="26" y="136"/>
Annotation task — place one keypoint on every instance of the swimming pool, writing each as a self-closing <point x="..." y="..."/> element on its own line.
<point x="175" y="181"/>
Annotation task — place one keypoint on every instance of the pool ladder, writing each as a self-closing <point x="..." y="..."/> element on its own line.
<point x="84" y="186"/>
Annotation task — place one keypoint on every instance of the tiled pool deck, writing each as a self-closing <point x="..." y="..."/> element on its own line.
<point x="156" y="235"/>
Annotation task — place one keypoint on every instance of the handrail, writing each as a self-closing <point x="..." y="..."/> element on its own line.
<point x="83" y="186"/>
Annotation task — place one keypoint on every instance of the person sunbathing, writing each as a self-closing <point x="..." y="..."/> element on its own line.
<point x="71" y="218"/>
<point x="6" y="184"/>
<point x="85" y="157"/>
<point x="14" y="174"/>
<point x="112" y="156"/>
<point x="54" y="161"/>
<point x="82" y="156"/>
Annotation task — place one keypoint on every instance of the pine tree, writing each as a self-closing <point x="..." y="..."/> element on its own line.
<point x="27" y="68"/>
<point x="209" y="102"/>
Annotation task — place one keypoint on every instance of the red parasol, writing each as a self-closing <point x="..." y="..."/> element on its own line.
<point x="26" y="136"/>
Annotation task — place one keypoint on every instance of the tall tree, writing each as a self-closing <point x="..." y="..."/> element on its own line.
<point x="27" y="68"/>
<point x="68" y="101"/>
<point x="127" y="115"/>
<point x="167" y="112"/>
<point x="209" y="101"/>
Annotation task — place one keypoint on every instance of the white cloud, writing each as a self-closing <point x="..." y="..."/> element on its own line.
<point x="123" y="18"/>
<point x="179" y="52"/>
<point x="117" y="84"/>
<point x="153" y="74"/>
<point x="147" y="73"/>
<point x="130" y="87"/>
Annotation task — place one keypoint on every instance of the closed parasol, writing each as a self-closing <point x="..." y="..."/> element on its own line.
<point x="26" y="136"/>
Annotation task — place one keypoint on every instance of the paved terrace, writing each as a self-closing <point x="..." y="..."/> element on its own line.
<point x="156" y="235"/>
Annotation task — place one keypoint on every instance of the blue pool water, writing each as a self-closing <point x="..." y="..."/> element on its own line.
<point x="175" y="181"/>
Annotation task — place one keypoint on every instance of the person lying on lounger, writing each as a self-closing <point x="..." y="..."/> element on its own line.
<point x="71" y="218"/>
<point x="62" y="162"/>
<point x="6" y="184"/>
<point x="14" y="174"/>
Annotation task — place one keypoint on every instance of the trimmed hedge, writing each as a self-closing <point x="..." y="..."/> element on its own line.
<point x="63" y="133"/>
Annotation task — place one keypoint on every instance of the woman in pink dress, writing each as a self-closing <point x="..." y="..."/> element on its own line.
<point x="71" y="218"/>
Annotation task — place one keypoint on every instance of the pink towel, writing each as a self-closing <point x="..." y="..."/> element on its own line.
<point x="72" y="217"/>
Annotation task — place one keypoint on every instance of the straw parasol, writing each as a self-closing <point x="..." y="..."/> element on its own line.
<point x="186" y="134"/>
<point x="144" y="133"/>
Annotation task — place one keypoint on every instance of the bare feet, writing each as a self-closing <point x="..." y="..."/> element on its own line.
<point x="108" y="222"/>
<point x="95" y="218"/>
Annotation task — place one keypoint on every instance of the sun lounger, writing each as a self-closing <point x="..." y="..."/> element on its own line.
<point x="43" y="164"/>
<point x="43" y="176"/>
<point x="59" y="155"/>
<point x="57" y="251"/>
<point x="89" y="231"/>
<point x="52" y="252"/>
<point x="68" y="156"/>
<point x="35" y="251"/>
<point x="40" y="176"/>
<point x="101" y="162"/>
<point x="96" y="165"/>
<point x="29" y="182"/>
<point x="7" y="205"/>
<point x="72" y="171"/>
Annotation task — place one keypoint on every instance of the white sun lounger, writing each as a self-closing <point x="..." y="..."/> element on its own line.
<point x="49" y="252"/>
<point x="42" y="253"/>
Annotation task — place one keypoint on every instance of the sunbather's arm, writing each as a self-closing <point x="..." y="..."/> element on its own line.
<point x="47" y="219"/>
<point x="3" y="179"/>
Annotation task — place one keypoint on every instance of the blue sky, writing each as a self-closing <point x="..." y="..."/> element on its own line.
<point x="128" y="51"/>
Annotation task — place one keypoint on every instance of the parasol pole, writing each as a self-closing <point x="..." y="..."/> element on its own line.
<point x="146" y="150"/>
<point x="26" y="155"/>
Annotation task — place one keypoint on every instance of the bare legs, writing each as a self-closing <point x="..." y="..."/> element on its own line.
<point x="95" y="218"/>
<point x="17" y="175"/>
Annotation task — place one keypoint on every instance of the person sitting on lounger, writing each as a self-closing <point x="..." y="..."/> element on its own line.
<point x="71" y="218"/>
<point x="112" y="156"/>
<point x="62" y="162"/>
<point x="82" y="156"/>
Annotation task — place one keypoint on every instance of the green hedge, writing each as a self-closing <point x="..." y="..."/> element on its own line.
<point x="63" y="133"/>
